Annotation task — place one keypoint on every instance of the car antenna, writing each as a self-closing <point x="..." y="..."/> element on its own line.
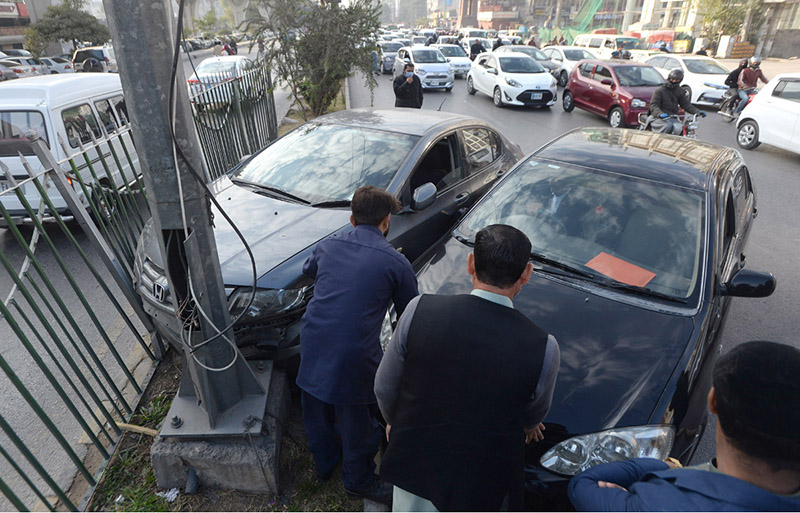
<point x="440" y="105"/>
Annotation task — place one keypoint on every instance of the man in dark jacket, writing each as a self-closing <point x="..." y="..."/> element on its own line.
<point x="465" y="382"/>
<point x="732" y="80"/>
<point x="476" y="49"/>
<point x="755" y="395"/>
<point x="357" y="274"/>
<point x="408" y="89"/>
<point x="665" y="103"/>
<point x="497" y="44"/>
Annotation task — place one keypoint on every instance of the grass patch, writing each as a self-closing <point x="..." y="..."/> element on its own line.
<point x="295" y="114"/>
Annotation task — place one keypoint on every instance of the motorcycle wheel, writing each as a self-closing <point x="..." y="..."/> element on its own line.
<point x="726" y="109"/>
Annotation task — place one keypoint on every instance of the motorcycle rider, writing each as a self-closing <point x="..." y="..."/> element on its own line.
<point x="665" y="103"/>
<point x="476" y="49"/>
<point x="748" y="80"/>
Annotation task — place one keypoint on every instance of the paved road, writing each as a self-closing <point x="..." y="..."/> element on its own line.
<point x="775" y="240"/>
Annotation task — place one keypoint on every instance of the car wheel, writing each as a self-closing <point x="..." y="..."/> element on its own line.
<point x="470" y="85"/>
<point x="563" y="78"/>
<point x="688" y="91"/>
<point x="616" y="118"/>
<point x="497" y="97"/>
<point x="567" y="101"/>
<point x="747" y="136"/>
<point x="448" y="89"/>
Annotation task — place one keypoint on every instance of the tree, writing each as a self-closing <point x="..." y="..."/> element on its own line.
<point x="67" y="22"/>
<point x="727" y="17"/>
<point x="208" y="24"/>
<point x="34" y="42"/>
<point x="314" y="47"/>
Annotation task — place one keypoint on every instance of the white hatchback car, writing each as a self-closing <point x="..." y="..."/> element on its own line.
<point x="430" y="66"/>
<point x="566" y="57"/>
<point x="697" y="71"/>
<point x="773" y="116"/>
<point x="512" y="78"/>
<point x="457" y="58"/>
<point x="213" y="71"/>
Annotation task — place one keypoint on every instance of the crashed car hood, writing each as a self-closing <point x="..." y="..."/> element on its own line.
<point x="616" y="358"/>
<point x="275" y="229"/>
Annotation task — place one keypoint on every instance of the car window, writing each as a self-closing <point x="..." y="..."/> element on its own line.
<point x="390" y="47"/>
<point x="525" y="64"/>
<point x="577" y="55"/>
<point x="452" y="51"/>
<point x="704" y="67"/>
<point x="658" y="62"/>
<point x="82" y="55"/>
<point x="480" y="148"/>
<point x="587" y="218"/>
<point x="637" y="76"/>
<point x="76" y="121"/>
<point x="211" y="66"/>
<point x="788" y="90"/>
<point x="610" y="44"/>
<point x="491" y="63"/>
<point x="16" y="127"/>
<point x="601" y="72"/>
<point x="109" y="116"/>
<point x="586" y="69"/>
<point x="440" y="166"/>
<point x="327" y="162"/>
<point x="672" y="64"/>
<point x="595" y="42"/>
<point x="60" y="60"/>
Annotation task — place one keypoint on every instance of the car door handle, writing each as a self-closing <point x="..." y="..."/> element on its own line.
<point x="462" y="198"/>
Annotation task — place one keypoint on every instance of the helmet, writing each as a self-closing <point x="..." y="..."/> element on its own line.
<point x="676" y="74"/>
<point x="626" y="55"/>
<point x="755" y="62"/>
<point x="92" y="65"/>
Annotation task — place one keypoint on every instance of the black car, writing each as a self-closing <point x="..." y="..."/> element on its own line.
<point x="638" y="247"/>
<point x="297" y="191"/>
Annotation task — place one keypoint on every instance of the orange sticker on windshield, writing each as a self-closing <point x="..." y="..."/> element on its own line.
<point x="620" y="270"/>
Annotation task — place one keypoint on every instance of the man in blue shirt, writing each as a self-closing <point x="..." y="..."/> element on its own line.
<point x="357" y="274"/>
<point x="755" y="395"/>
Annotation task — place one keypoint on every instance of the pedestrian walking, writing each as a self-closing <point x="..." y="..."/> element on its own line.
<point x="465" y="382"/>
<point x="562" y="41"/>
<point x="532" y="42"/>
<point x="754" y="394"/>
<point x="408" y="89"/>
<point x="233" y="46"/>
<point x="357" y="274"/>
<point x="497" y="44"/>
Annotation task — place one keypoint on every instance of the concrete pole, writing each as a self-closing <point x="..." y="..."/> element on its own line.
<point x="144" y="38"/>
<point x="630" y="10"/>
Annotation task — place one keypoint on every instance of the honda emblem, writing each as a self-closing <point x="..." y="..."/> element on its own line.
<point x="159" y="292"/>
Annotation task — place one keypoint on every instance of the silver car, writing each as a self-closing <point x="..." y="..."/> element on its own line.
<point x="14" y="69"/>
<point x="430" y="65"/>
<point x="387" y="53"/>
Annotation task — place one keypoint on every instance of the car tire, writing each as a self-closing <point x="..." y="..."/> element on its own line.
<point x="497" y="97"/>
<point x="688" y="91"/>
<point x="563" y="78"/>
<point x="448" y="89"/>
<point x="616" y="118"/>
<point x="470" y="86"/>
<point x="747" y="135"/>
<point x="567" y="101"/>
<point x="727" y="110"/>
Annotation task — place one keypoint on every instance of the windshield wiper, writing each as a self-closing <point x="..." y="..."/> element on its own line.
<point x="572" y="271"/>
<point x="640" y="291"/>
<point x="463" y="240"/>
<point x="277" y="190"/>
<point x="332" y="204"/>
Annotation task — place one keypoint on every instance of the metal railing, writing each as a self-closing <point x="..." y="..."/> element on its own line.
<point x="234" y="117"/>
<point x="77" y="349"/>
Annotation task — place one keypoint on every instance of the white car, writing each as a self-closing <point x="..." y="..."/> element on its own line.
<point x="457" y="58"/>
<point x="215" y="70"/>
<point x="467" y="42"/>
<point x="773" y="116"/>
<point x="104" y="54"/>
<point x="697" y="71"/>
<point x="35" y="67"/>
<point x="57" y="65"/>
<point x="512" y="78"/>
<point x="12" y="64"/>
<point x="566" y="57"/>
<point x="430" y="66"/>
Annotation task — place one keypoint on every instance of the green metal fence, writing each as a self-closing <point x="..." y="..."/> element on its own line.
<point x="234" y="117"/>
<point x="76" y="349"/>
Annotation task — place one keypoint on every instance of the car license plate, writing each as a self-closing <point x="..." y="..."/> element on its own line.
<point x="536" y="96"/>
<point x="434" y="83"/>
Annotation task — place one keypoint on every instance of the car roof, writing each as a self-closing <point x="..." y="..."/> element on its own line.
<point x="515" y="54"/>
<point x="787" y="75"/>
<point x="56" y="90"/>
<point x="405" y="121"/>
<point x="663" y="158"/>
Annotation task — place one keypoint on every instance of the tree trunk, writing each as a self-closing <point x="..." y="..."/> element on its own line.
<point x="557" y="20"/>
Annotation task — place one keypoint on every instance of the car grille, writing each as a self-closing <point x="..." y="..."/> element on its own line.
<point x="434" y="76"/>
<point x="525" y="97"/>
<point x="150" y="275"/>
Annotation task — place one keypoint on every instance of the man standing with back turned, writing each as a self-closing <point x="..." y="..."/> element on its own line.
<point x="465" y="382"/>
<point x="357" y="275"/>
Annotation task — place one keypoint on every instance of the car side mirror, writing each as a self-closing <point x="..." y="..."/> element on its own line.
<point x="747" y="283"/>
<point x="448" y="59"/>
<point x="423" y="197"/>
<point x="492" y="71"/>
<point x="607" y="81"/>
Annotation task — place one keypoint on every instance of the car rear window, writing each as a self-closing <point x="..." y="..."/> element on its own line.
<point x="15" y="128"/>
<point x="216" y="67"/>
<point x="577" y="55"/>
<point x="82" y="55"/>
<point x="59" y="60"/>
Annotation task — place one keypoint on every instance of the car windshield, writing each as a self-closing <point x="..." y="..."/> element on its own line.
<point x="609" y="228"/>
<point x="15" y="128"/>
<point x="428" y="56"/>
<point x="577" y="55"/>
<point x="637" y="76"/>
<point x="515" y="64"/>
<point x="632" y="44"/>
<point x="452" y="51"/>
<point x="214" y="66"/>
<point x="476" y="33"/>
<point x="326" y="162"/>
<point x="391" y="47"/>
<point x="704" y="67"/>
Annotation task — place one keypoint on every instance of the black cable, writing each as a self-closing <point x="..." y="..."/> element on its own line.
<point x="201" y="180"/>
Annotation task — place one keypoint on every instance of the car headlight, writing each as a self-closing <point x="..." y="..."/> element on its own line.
<point x="552" y="81"/>
<point x="581" y="452"/>
<point x="266" y="302"/>
<point x="421" y="71"/>
<point x="512" y="82"/>
<point x="638" y="104"/>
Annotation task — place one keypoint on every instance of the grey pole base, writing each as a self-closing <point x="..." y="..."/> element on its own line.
<point x="247" y="463"/>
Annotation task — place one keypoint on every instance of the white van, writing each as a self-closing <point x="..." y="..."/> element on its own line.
<point x="603" y="45"/>
<point x="472" y="32"/>
<point x="63" y="105"/>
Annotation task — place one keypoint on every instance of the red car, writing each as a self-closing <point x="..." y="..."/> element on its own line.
<point x="617" y="90"/>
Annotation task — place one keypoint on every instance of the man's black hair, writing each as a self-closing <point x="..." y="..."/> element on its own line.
<point x="370" y="205"/>
<point x="408" y="65"/>
<point x="758" y="393"/>
<point x="501" y="254"/>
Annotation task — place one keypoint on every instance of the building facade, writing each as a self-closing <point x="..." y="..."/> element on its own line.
<point x="14" y="19"/>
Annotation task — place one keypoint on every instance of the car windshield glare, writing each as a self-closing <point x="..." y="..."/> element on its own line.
<point x="520" y="65"/>
<point x="638" y="76"/>
<point x="704" y="67"/>
<point x="428" y="56"/>
<point x="209" y="67"/>
<point x="614" y="227"/>
<point x="328" y="162"/>
<point x="577" y="55"/>
<point x="452" y="51"/>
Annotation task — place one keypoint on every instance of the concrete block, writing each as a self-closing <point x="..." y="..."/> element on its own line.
<point x="248" y="463"/>
<point x="376" y="506"/>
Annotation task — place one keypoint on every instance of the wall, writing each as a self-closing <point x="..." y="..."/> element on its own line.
<point x="786" y="44"/>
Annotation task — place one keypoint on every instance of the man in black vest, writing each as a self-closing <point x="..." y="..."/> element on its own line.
<point x="465" y="382"/>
